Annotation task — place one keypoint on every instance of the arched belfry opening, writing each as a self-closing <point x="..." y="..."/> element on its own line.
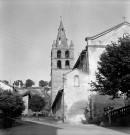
<point x="58" y="54"/>
<point x="67" y="64"/>
<point x="59" y="64"/>
<point x="67" y="54"/>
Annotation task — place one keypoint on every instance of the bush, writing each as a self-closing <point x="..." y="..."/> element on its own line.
<point x="11" y="105"/>
<point x="102" y="101"/>
<point x="94" y="115"/>
<point x="36" y="103"/>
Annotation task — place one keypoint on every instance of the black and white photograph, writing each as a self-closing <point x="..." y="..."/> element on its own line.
<point x="64" y="67"/>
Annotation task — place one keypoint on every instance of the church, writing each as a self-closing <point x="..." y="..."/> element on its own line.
<point x="71" y="81"/>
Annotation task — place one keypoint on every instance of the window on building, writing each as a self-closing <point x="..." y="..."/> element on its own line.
<point x="76" y="81"/>
<point x="67" y="54"/>
<point x="58" y="54"/>
<point x="67" y="64"/>
<point x="59" y="64"/>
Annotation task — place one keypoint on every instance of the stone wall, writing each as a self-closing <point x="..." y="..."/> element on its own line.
<point x="57" y="80"/>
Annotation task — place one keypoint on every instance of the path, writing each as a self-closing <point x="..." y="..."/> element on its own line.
<point x="43" y="128"/>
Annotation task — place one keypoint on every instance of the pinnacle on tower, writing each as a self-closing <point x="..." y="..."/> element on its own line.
<point x="71" y="44"/>
<point x="53" y="45"/>
<point x="61" y="37"/>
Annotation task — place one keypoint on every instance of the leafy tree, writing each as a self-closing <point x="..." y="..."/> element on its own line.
<point x="29" y="83"/>
<point x="43" y="83"/>
<point x="36" y="103"/>
<point x="11" y="103"/>
<point x="114" y="69"/>
<point x="18" y="82"/>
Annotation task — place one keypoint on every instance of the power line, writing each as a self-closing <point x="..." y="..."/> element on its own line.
<point x="15" y="37"/>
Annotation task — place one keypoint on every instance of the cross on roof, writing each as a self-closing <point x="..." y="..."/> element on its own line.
<point x="124" y="18"/>
<point x="61" y="17"/>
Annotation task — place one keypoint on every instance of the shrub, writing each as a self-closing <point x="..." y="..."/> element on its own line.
<point x="11" y="105"/>
<point x="36" y="103"/>
<point x="94" y="114"/>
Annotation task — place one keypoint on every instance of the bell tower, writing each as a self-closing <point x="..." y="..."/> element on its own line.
<point x="62" y="60"/>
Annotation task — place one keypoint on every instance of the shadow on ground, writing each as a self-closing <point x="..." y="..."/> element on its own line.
<point x="121" y="129"/>
<point x="30" y="128"/>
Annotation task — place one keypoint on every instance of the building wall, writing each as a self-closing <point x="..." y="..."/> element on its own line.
<point x="76" y="98"/>
<point x="25" y="99"/>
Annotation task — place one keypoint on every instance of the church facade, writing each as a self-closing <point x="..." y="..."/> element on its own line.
<point x="72" y="99"/>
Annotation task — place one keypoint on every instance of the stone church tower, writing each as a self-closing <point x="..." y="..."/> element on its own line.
<point x="62" y="60"/>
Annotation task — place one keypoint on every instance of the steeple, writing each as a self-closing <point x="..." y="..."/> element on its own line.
<point x="61" y="37"/>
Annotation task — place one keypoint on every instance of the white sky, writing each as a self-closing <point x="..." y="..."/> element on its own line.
<point x="28" y="28"/>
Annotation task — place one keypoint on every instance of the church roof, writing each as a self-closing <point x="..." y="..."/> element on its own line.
<point x="80" y="58"/>
<point x="107" y="31"/>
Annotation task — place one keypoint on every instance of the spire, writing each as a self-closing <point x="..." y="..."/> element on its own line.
<point x="61" y="25"/>
<point x="61" y="37"/>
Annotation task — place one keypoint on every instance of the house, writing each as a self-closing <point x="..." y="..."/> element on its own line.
<point x="6" y="86"/>
<point x="75" y="93"/>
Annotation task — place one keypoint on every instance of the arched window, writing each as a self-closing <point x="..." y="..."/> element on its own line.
<point x="67" y="64"/>
<point x="58" y="54"/>
<point x="59" y="64"/>
<point x="67" y="54"/>
<point x="76" y="80"/>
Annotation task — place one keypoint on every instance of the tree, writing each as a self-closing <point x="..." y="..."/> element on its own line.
<point x="29" y="83"/>
<point x="11" y="103"/>
<point x="114" y="69"/>
<point x="36" y="103"/>
<point x="6" y="82"/>
<point x="43" y="83"/>
<point x="18" y="82"/>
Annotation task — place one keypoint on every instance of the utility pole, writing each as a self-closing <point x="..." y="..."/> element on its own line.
<point x="63" y="101"/>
